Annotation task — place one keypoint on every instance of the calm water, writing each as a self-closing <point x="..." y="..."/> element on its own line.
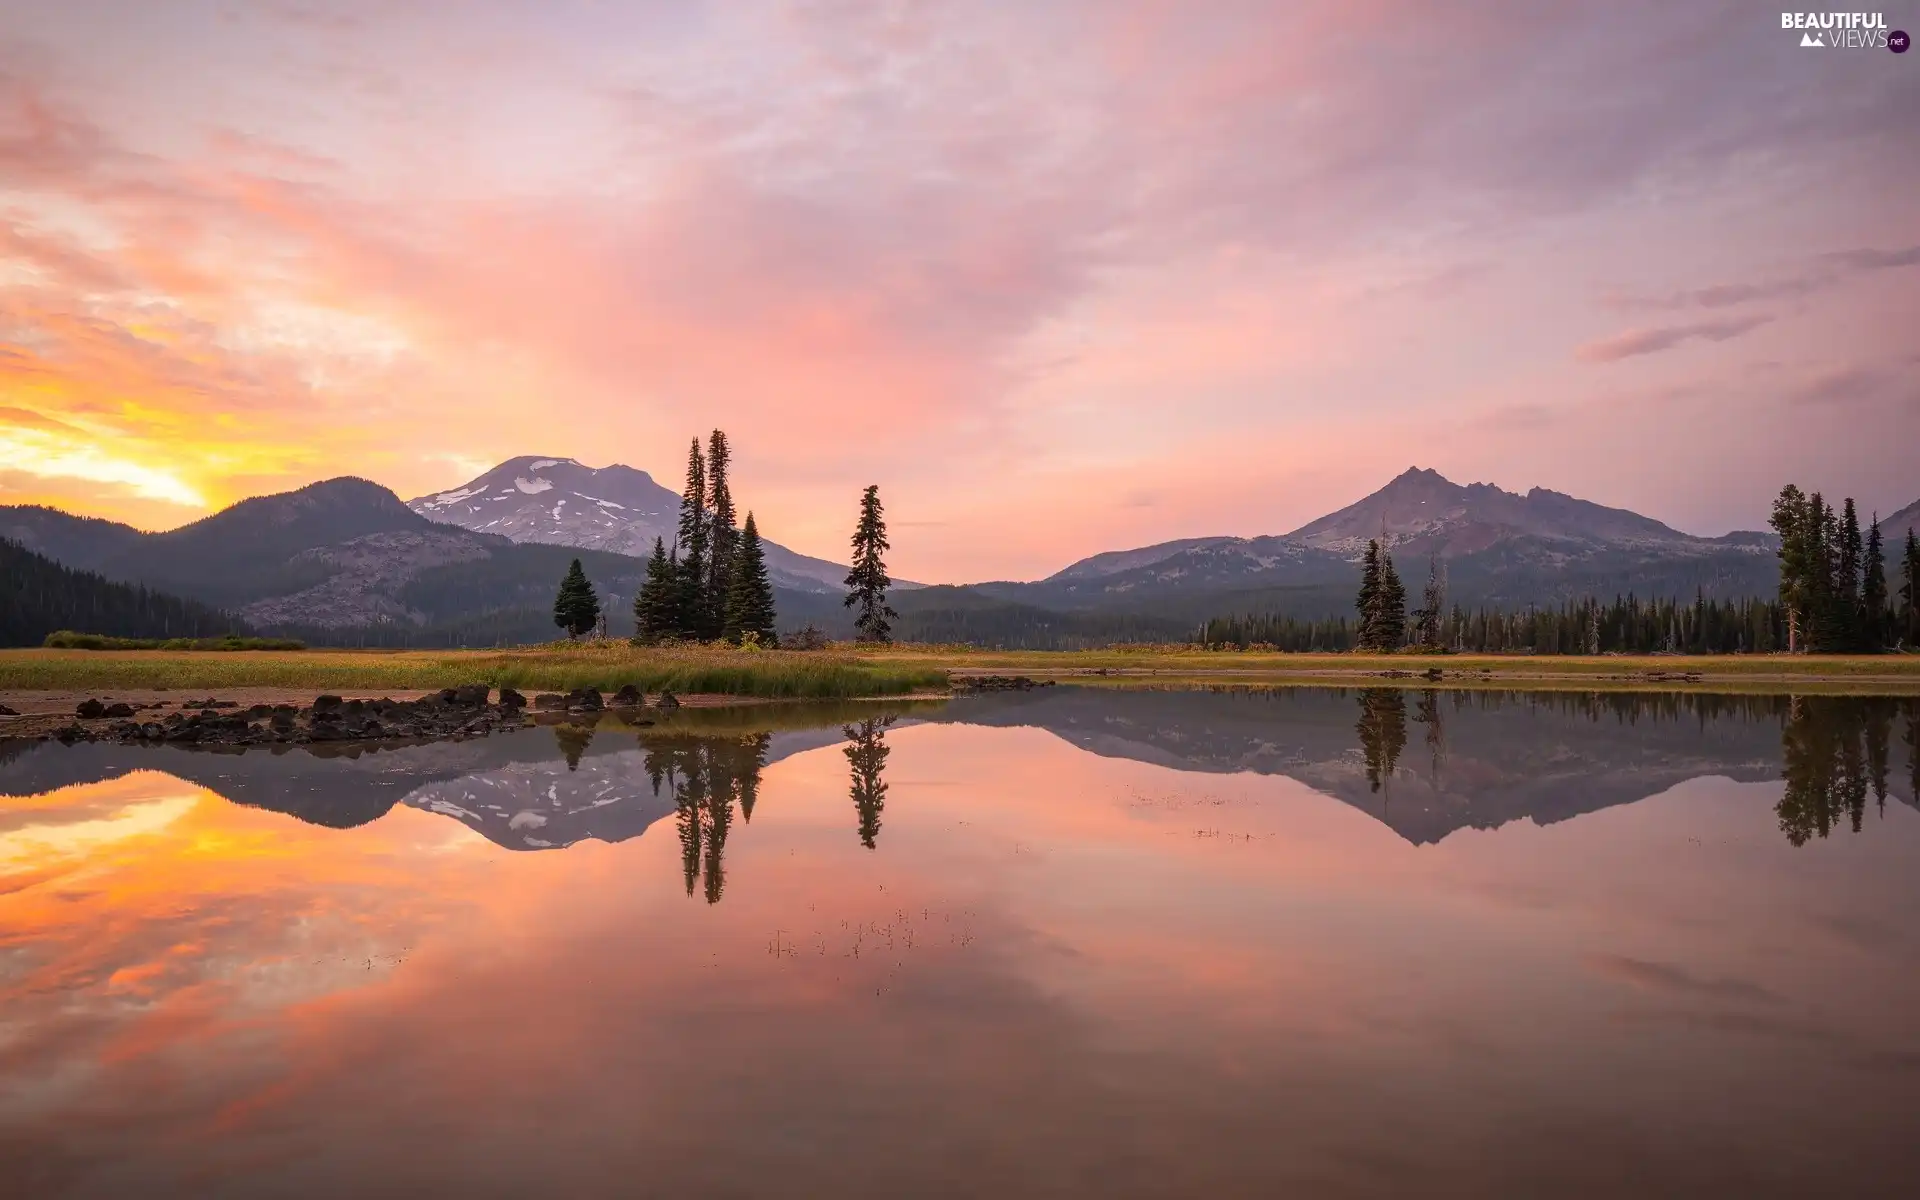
<point x="1078" y="942"/>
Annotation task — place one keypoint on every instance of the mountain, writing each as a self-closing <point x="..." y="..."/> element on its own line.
<point x="562" y="502"/>
<point x="1894" y="529"/>
<point x="1500" y="548"/>
<point x="337" y="557"/>
<point x="39" y="596"/>
<point x="1425" y="512"/>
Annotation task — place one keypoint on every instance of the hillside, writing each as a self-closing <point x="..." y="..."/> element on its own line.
<point x="39" y="596"/>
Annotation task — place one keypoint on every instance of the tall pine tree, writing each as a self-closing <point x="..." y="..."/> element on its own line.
<point x="1791" y="521"/>
<point x="867" y="582"/>
<point x="656" y="608"/>
<point x="1849" y="619"/>
<point x="1910" y="593"/>
<point x="692" y="543"/>
<point x="575" y="608"/>
<point x="1433" y="607"/>
<point x="1873" y="593"/>
<point x="721" y="536"/>
<point x="1390" y="626"/>
<point x="750" y="593"/>
<point x="1368" y="601"/>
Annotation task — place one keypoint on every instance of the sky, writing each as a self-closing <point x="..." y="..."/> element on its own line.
<point x="1061" y="277"/>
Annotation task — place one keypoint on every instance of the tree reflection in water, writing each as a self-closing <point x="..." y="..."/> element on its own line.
<point x="1383" y="732"/>
<point x="706" y="774"/>
<point x="866" y="752"/>
<point x="1835" y="754"/>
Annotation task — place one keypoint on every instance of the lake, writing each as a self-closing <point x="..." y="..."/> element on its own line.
<point x="1069" y="942"/>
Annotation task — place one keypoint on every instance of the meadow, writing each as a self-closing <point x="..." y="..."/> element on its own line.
<point x="845" y="671"/>
<point x="771" y="674"/>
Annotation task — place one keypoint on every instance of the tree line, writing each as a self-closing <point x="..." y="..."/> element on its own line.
<point x="712" y="583"/>
<point x="1835" y="598"/>
<point x="39" y="596"/>
<point x="1626" y="625"/>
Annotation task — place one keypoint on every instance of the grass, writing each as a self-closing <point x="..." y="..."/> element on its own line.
<point x="1176" y="664"/>
<point x="764" y="673"/>
<point x="847" y="672"/>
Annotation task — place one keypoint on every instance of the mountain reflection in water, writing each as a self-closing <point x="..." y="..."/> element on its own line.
<point x="1075" y="941"/>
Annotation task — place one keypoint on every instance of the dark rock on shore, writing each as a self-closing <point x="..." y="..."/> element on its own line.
<point x="997" y="683"/>
<point x="629" y="696"/>
<point x="511" y="699"/>
<point x="451" y="713"/>
<point x="550" y="702"/>
<point x="669" y="701"/>
<point x="585" y="699"/>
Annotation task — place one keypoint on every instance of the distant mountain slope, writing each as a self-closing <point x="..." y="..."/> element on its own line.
<point x="344" y="560"/>
<point x="1500" y="548"/>
<point x="79" y="542"/>
<point x="1894" y="528"/>
<point x="617" y="508"/>
<point x="39" y="596"/>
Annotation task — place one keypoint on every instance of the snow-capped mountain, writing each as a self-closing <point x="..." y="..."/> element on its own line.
<point x="617" y="508"/>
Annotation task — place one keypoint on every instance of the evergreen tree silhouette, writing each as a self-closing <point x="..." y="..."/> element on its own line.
<point x="867" y="582"/>
<point x="750" y="603"/>
<point x="575" y="608"/>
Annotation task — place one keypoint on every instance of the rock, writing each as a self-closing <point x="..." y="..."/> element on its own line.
<point x="89" y="709"/>
<point x="1435" y="673"/>
<point x="70" y="734"/>
<point x="997" y="683"/>
<point x="472" y="695"/>
<point x="120" y="710"/>
<point x="510" y="699"/>
<point x="7" y="712"/>
<point x="585" y="699"/>
<point x="669" y="701"/>
<point x="324" y="703"/>
<point x="260" y="710"/>
<point x="549" y="702"/>
<point x="629" y="696"/>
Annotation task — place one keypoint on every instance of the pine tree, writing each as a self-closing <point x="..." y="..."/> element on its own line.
<point x="750" y="593"/>
<point x="575" y="608"/>
<point x="1368" y="601"/>
<point x="1873" y="593"/>
<point x="656" y="609"/>
<point x="1390" y="626"/>
<point x="1910" y="591"/>
<point x="867" y="581"/>
<point x="692" y="544"/>
<point x="722" y="535"/>
<point x="1791" y="521"/>
<point x="1849" y="617"/>
<point x="1433" y="605"/>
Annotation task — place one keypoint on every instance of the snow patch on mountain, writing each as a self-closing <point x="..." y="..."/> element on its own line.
<point x="534" y="486"/>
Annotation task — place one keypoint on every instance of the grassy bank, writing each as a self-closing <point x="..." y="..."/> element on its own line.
<point x="1175" y="663"/>
<point x="773" y="674"/>
<point x="899" y="670"/>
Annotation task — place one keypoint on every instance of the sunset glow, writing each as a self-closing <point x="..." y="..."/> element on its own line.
<point x="1154" y="271"/>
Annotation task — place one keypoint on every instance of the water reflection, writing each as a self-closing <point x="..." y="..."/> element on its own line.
<point x="1383" y="732"/>
<point x="706" y="776"/>
<point x="1835" y="753"/>
<point x="866" y="752"/>
<point x="1117" y="943"/>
